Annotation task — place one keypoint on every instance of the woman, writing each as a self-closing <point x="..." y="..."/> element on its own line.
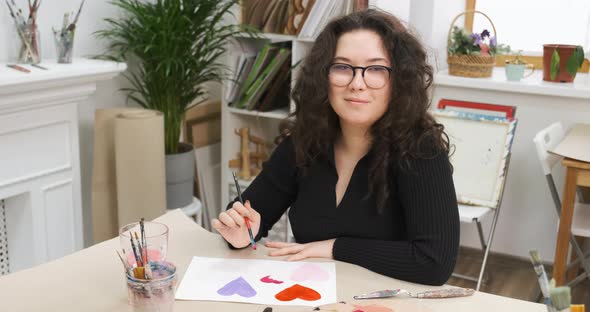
<point x="364" y="166"/>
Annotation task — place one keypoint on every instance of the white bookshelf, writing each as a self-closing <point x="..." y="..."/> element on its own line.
<point x="261" y="124"/>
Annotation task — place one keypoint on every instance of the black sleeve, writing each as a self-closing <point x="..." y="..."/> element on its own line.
<point x="427" y="196"/>
<point x="275" y="188"/>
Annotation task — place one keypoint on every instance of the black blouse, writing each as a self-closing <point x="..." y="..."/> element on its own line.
<point x="416" y="238"/>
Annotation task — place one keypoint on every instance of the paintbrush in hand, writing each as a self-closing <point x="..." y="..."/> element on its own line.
<point x="246" y="220"/>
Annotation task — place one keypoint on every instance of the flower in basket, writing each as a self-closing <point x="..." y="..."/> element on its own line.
<point x="483" y="43"/>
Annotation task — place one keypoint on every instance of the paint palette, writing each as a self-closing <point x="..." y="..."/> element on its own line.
<point x="259" y="281"/>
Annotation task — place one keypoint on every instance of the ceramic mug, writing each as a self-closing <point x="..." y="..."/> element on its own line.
<point x="515" y="72"/>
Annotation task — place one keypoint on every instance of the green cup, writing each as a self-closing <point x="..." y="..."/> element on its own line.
<point x="515" y="72"/>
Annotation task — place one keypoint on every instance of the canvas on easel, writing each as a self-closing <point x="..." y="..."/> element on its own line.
<point x="480" y="147"/>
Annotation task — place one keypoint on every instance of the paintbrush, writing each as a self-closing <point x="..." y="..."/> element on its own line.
<point x="143" y="242"/>
<point x="139" y="271"/>
<point x="541" y="276"/>
<point x="72" y="26"/>
<point x="125" y="264"/>
<point x="561" y="297"/>
<point x="65" y="22"/>
<point x="139" y="248"/>
<point x="19" y="12"/>
<point x="137" y="259"/>
<point x="147" y="266"/>
<point x="146" y="262"/>
<point x="19" y="68"/>
<point x="39" y="66"/>
<point x="16" y="13"/>
<point x="252" y="241"/>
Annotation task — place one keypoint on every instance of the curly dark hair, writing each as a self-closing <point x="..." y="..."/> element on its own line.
<point x="406" y="130"/>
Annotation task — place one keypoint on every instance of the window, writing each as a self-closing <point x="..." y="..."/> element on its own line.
<point x="528" y="24"/>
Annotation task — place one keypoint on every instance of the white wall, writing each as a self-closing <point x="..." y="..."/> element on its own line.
<point x="399" y="8"/>
<point x="430" y="20"/>
<point x="51" y="14"/>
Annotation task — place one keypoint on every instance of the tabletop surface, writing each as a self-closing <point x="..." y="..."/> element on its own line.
<point x="93" y="280"/>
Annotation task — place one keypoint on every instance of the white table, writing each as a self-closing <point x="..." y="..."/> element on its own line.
<point x="93" y="280"/>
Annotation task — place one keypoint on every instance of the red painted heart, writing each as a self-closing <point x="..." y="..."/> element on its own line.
<point x="298" y="292"/>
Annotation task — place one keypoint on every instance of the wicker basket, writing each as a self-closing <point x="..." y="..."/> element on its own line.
<point x="470" y="65"/>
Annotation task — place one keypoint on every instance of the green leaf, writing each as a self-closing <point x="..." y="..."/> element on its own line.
<point x="554" y="64"/>
<point x="171" y="46"/>
<point x="575" y="61"/>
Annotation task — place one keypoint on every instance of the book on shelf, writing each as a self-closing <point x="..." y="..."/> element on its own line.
<point x="262" y="60"/>
<point x="269" y="16"/>
<point x="321" y="14"/>
<point x="279" y="16"/>
<point x="276" y="17"/>
<point x="255" y="91"/>
<point x="277" y="94"/>
<point x="244" y="56"/>
<point x="241" y="71"/>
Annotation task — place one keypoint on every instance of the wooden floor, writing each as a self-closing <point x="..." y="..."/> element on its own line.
<point x="508" y="276"/>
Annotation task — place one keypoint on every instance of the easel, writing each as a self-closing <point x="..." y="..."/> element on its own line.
<point x="245" y="157"/>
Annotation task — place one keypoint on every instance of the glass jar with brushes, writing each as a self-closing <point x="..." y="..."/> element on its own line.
<point x="64" y="45"/>
<point x="28" y="39"/>
<point x="64" y="37"/>
<point x="29" y="43"/>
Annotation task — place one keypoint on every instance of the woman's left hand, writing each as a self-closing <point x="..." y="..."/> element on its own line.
<point x="321" y="249"/>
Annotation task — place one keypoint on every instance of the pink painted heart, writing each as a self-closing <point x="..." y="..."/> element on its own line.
<point x="239" y="286"/>
<point x="269" y="280"/>
<point x="310" y="272"/>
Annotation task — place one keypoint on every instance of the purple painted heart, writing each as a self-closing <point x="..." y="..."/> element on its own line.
<point x="239" y="286"/>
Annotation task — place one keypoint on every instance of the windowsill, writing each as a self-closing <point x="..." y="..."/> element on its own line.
<point x="533" y="85"/>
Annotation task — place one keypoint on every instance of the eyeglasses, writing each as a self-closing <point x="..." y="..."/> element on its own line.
<point x="375" y="76"/>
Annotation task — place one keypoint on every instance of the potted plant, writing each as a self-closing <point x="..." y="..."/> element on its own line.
<point x="515" y="68"/>
<point x="175" y="45"/>
<point x="561" y="62"/>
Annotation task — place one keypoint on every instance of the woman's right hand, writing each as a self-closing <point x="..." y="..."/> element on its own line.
<point x="232" y="225"/>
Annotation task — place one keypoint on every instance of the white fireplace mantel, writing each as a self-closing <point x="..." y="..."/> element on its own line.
<point x="39" y="156"/>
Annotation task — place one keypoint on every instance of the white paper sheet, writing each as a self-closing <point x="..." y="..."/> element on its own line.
<point x="576" y="143"/>
<point x="258" y="281"/>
